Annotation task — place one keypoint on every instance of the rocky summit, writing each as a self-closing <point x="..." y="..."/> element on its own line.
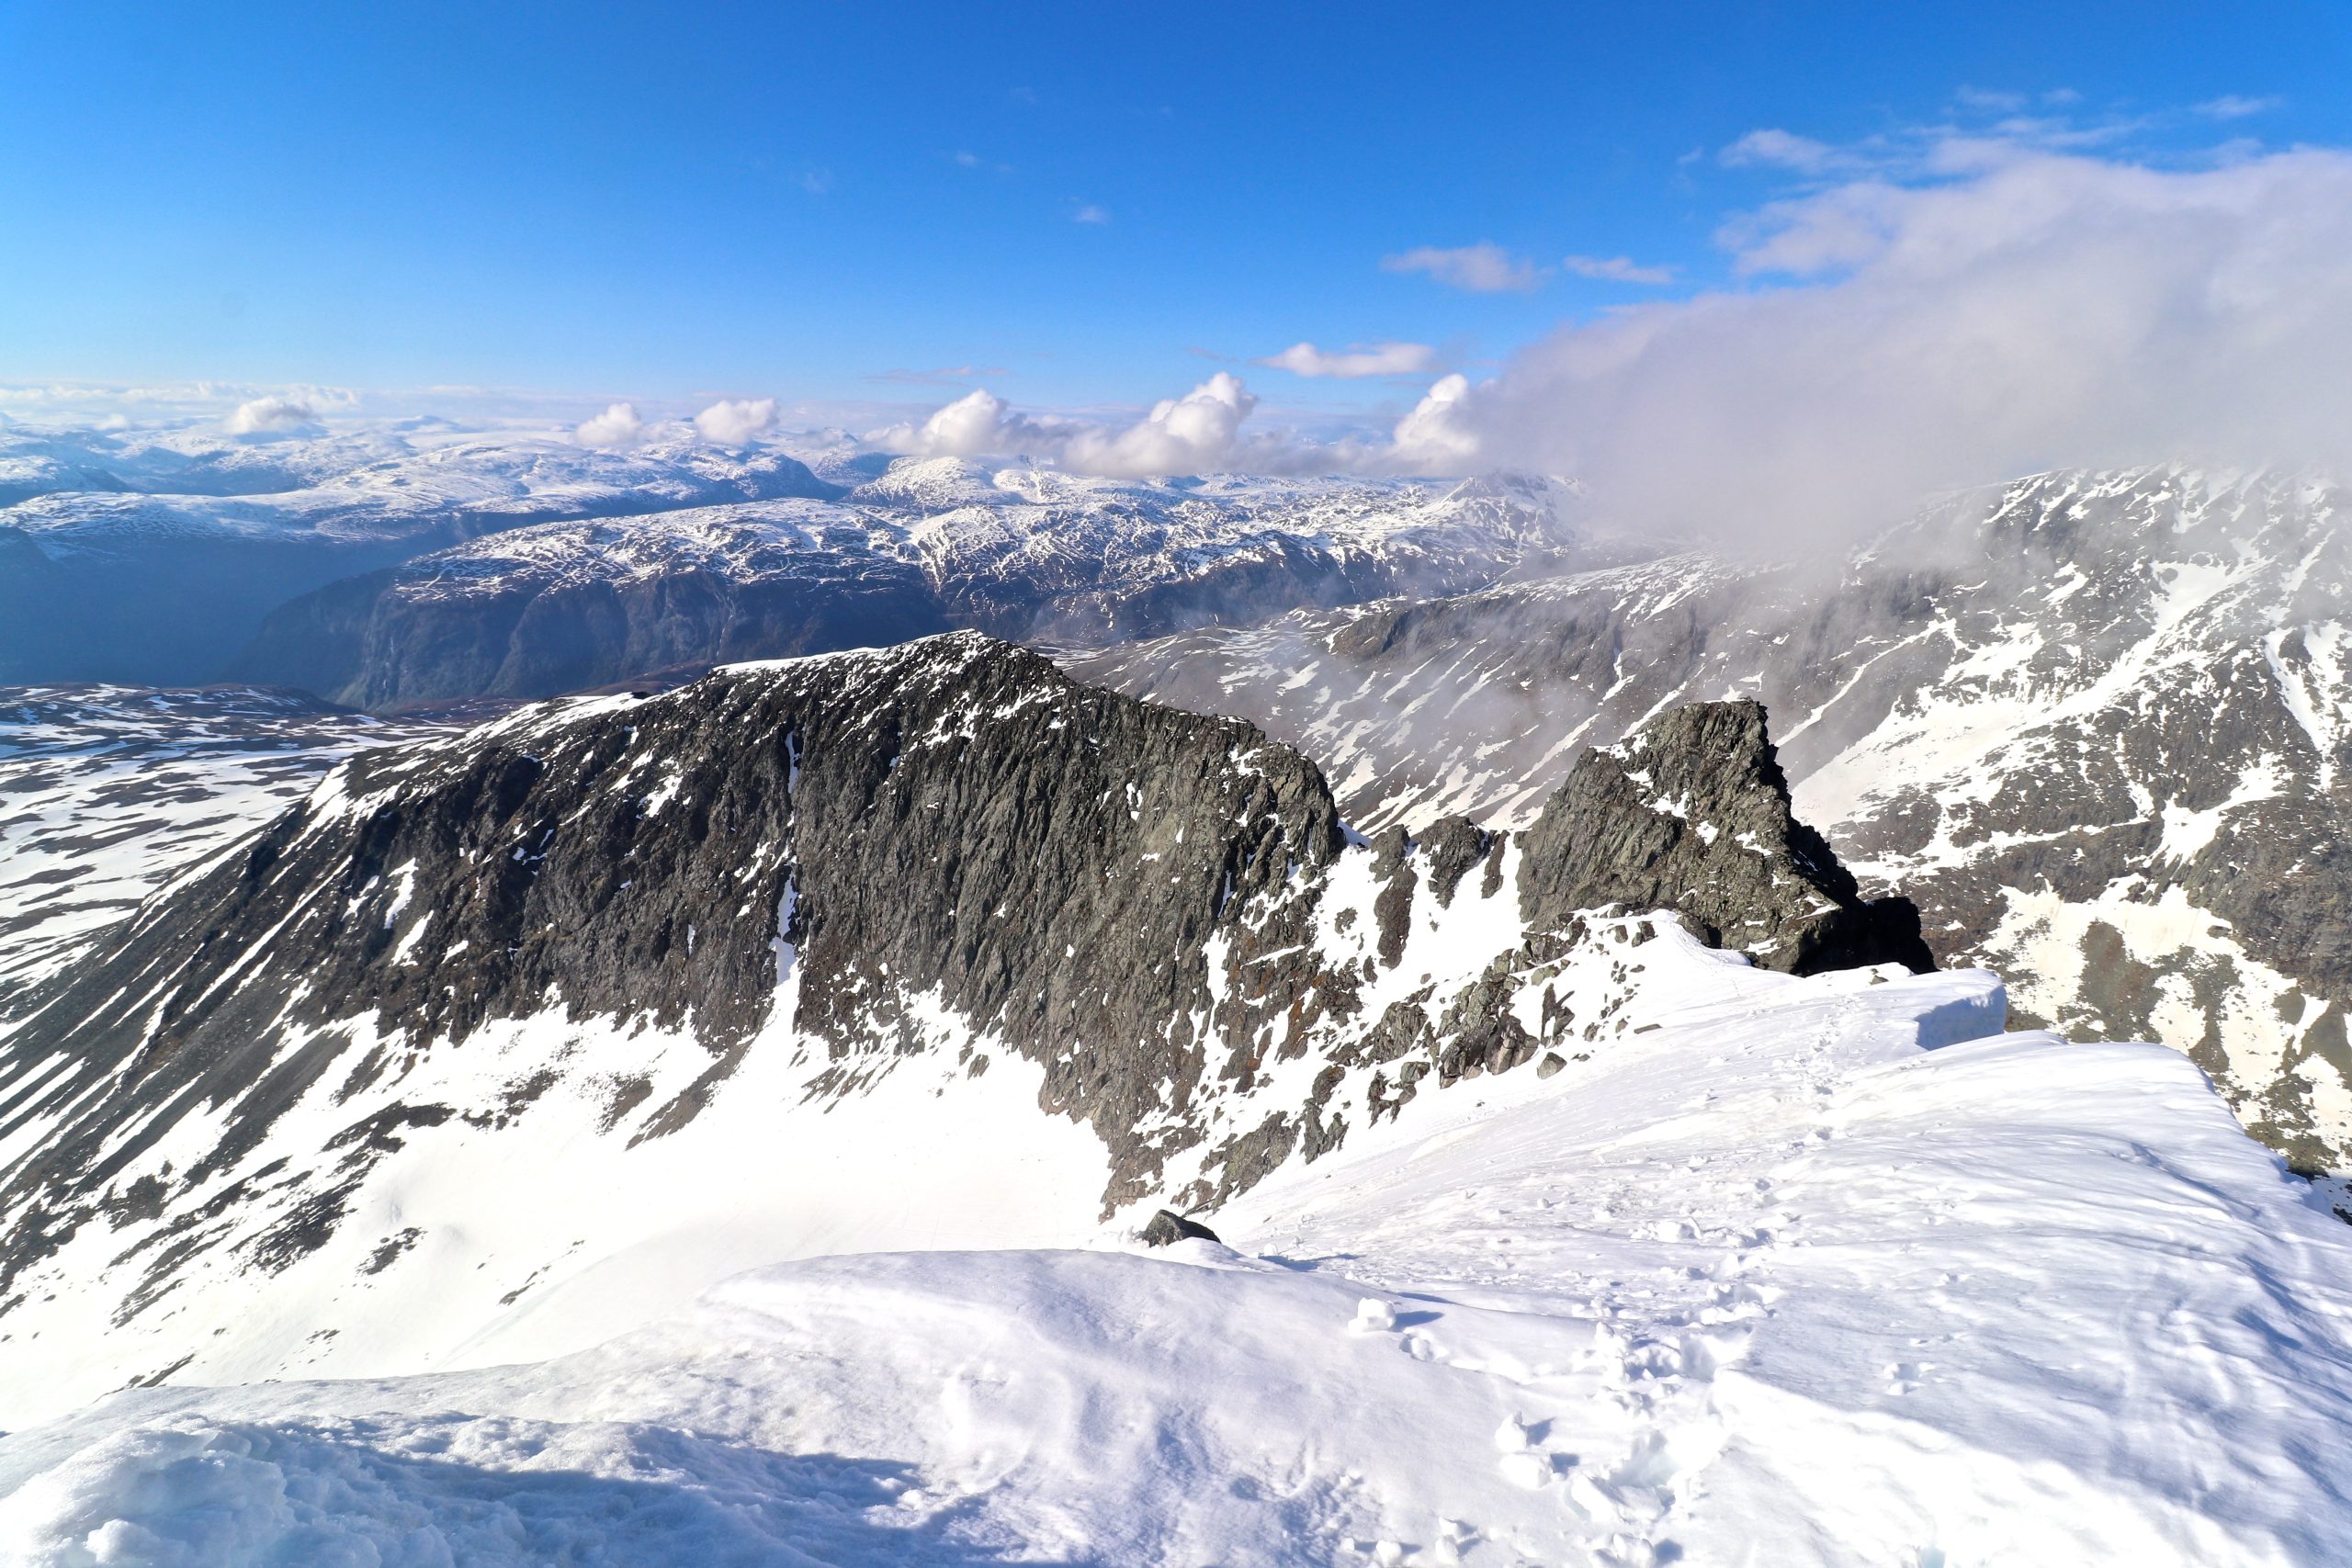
<point x="606" y="916"/>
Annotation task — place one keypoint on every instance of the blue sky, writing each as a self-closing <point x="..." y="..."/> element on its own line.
<point x="1073" y="203"/>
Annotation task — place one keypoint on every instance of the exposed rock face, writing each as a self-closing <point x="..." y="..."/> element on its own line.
<point x="946" y="822"/>
<point x="1693" y="814"/>
<point x="2098" y="725"/>
<point x="1166" y="1228"/>
<point x="944" y="849"/>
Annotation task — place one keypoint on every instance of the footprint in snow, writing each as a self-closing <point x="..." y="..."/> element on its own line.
<point x="1518" y="1435"/>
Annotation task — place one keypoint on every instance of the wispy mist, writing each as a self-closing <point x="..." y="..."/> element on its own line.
<point x="2036" y="312"/>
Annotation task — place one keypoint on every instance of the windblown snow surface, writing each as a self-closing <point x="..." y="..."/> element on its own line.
<point x="1794" y="1271"/>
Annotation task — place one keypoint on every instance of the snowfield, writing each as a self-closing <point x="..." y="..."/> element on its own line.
<point x="1821" y="1270"/>
<point x="107" y="793"/>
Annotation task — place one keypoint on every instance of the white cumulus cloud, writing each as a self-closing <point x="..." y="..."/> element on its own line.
<point x="1482" y="268"/>
<point x="978" y="425"/>
<point x="618" y="425"/>
<point x="730" y="422"/>
<point x="273" y="411"/>
<point x="1358" y="360"/>
<point x="1180" y="436"/>
<point x="1435" y="436"/>
<point x="1200" y="432"/>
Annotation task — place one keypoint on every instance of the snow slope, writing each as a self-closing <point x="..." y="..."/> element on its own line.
<point x="498" y="1041"/>
<point x="1817" y="1270"/>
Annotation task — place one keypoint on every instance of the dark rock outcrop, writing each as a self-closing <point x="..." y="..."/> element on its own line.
<point x="2097" y="725"/>
<point x="953" y="823"/>
<point x="1692" y="814"/>
<point x="1166" y="1227"/>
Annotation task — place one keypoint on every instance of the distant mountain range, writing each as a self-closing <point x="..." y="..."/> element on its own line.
<point x="152" y="558"/>
<point x="930" y="545"/>
<point x="405" y="567"/>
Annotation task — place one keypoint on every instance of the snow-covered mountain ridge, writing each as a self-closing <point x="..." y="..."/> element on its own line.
<point x="810" y="883"/>
<point x="2097" y="725"/>
<point x="154" y="557"/>
<point x="151" y="556"/>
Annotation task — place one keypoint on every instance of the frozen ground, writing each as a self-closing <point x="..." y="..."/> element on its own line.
<point x="1817" y="1270"/>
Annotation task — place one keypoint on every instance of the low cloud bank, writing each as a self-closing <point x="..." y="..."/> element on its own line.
<point x="2000" y="310"/>
<point x="2039" y="312"/>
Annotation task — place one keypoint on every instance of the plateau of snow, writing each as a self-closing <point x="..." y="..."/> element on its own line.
<point x="1823" y="1270"/>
